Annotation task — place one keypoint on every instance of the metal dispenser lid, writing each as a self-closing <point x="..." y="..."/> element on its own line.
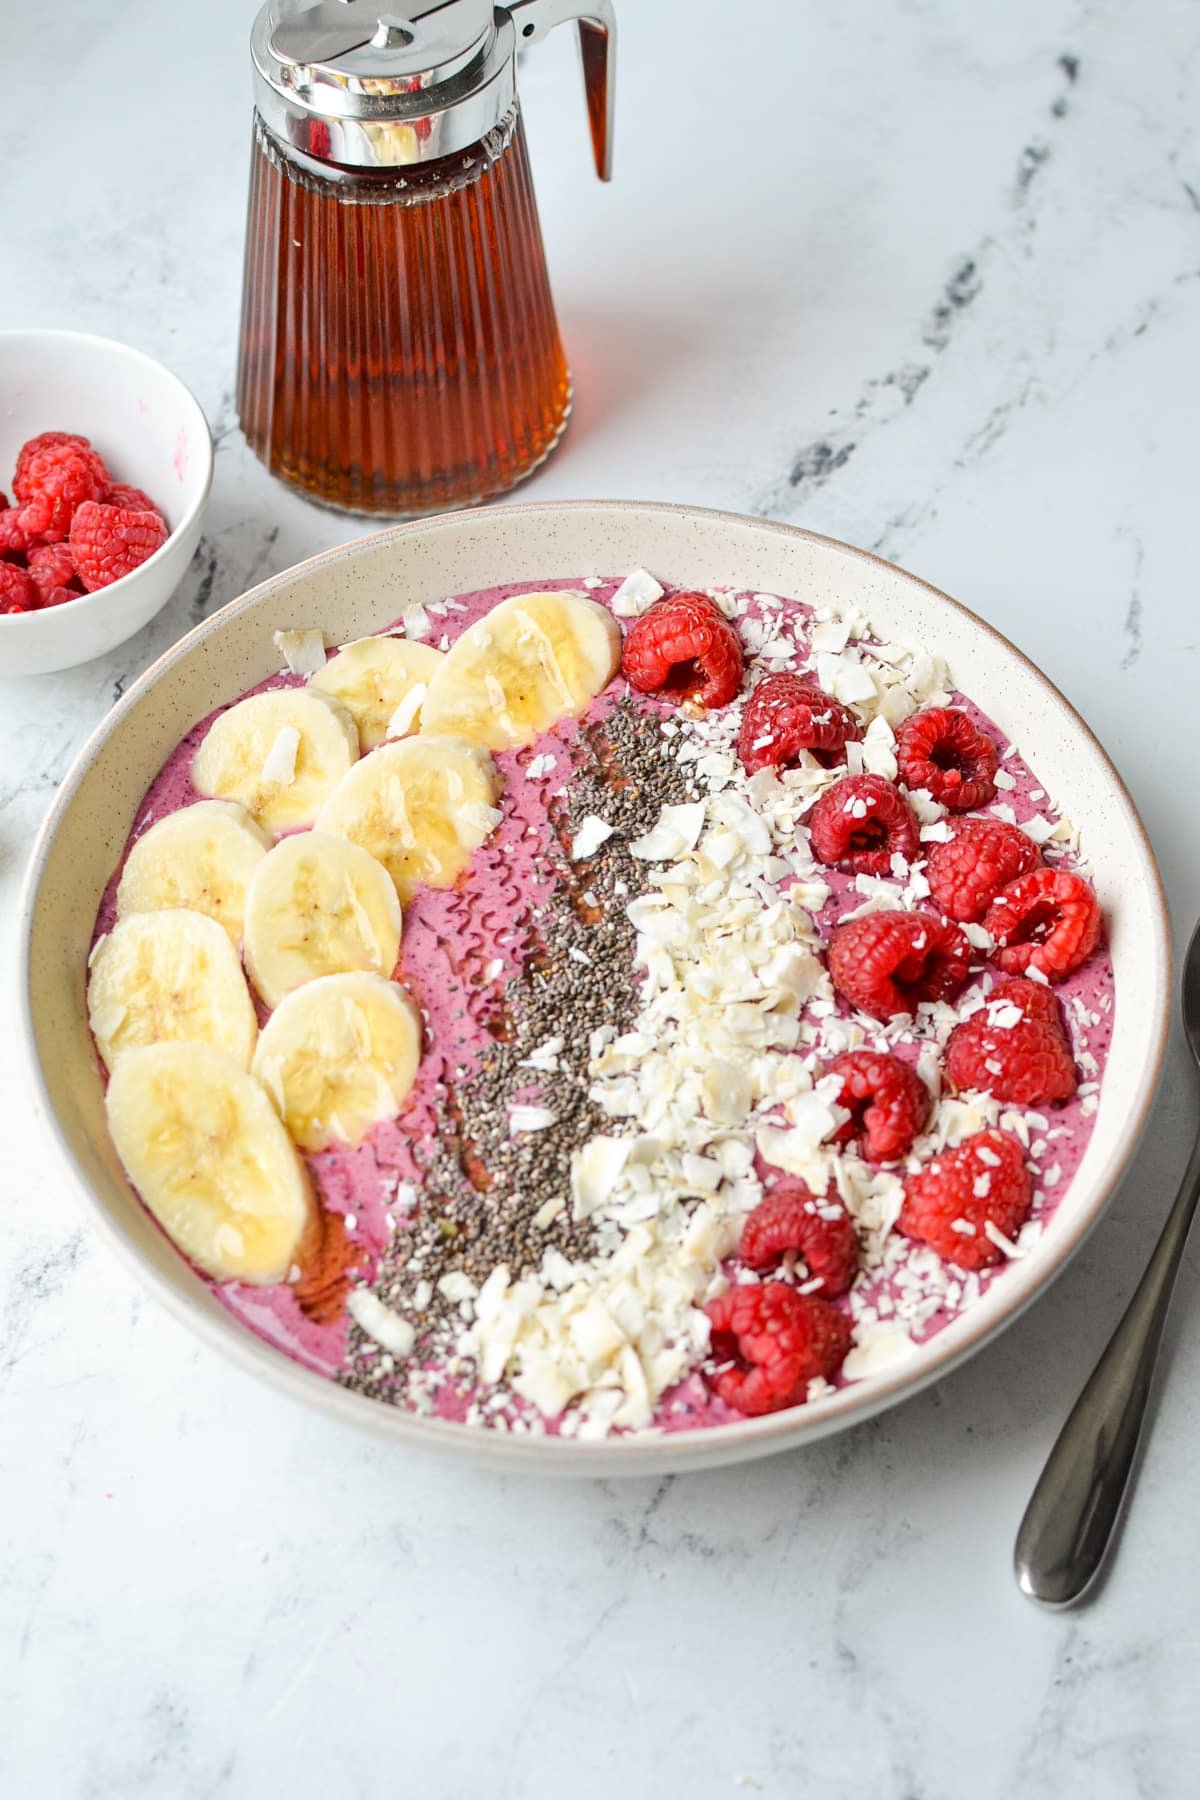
<point x="348" y="83"/>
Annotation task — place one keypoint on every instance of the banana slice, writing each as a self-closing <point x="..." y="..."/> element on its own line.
<point x="381" y="682"/>
<point x="279" y="753"/>
<point x="204" y="1148"/>
<point x="201" y="858"/>
<point x="420" y="807"/>
<point x="339" y="1055"/>
<point x="169" y="977"/>
<point x="318" y="905"/>
<point x="532" y="660"/>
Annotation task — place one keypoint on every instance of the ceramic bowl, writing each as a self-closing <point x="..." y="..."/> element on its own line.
<point x="359" y="588"/>
<point x="150" y="432"/>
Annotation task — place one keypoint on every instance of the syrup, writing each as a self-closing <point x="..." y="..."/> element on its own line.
<point x="399" y="348"/>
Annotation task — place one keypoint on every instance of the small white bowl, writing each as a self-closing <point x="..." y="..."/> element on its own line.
<point x="150" y="431"/>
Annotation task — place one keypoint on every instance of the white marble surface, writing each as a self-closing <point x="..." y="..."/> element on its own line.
<point x="925" y="275"/>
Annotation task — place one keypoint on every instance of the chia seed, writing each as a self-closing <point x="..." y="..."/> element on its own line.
<point x="482" y="1185"/>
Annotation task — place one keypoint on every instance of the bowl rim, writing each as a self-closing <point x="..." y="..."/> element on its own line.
<point x="645" y="1452"/>
<point x="18" y="622"/>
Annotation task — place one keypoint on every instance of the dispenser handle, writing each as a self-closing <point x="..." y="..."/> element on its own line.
<point x="598" y="49"/>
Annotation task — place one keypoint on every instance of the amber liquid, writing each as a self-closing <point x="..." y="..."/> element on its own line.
<point x="399" y="350"/>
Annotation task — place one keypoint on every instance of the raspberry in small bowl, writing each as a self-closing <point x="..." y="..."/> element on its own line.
<point x="106" y="463"/>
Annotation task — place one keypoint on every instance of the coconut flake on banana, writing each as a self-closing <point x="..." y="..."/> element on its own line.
<point x="382" y="682"/>
<point x="279" y="753"/>
<point x="421" y="807"/>
<point x="205" y="1149"/>
<point x="318" y="905"/>
<point x="169" y="977"/>
<point x="532" y="660"/>
<point x="338" y="1056"/>
<point x="201" y="858"/>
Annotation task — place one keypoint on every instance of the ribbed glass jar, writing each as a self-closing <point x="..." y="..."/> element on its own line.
<point x="399" y="348"/>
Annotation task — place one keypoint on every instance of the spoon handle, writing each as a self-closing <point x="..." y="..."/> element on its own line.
<point x="1070" y="1517"/>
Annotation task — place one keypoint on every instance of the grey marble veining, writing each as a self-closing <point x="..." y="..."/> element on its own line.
<point x="924" y="276"/>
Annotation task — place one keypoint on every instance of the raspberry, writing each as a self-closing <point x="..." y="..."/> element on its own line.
<point x="131" y="498"/>
<point x="966" y="873"/>
<point x="942" y="751"/>
<point x="983" y="1182"/>
<point x="52" y="571"/>
<point x="14" y="539"/>
<point x="1048" y="920"/>
<point x="785" y="715"/>
<point x="17" y="592"/>
<point x="107" y="542"/>
<point x="861" y="823"/>
<point x="58" y="479"/>
<point x="887" y="1100"/>
<point x="779" y="1341"/>
<point x="887" y="962"/>
<point x="791" y="1219"/>
<point x="686" y="648"/>
<point x="1014" y="1048"/>
<point x="46" y="440"/>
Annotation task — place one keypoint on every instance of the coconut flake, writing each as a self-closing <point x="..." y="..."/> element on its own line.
<point x="481" y="817"/>
<point x="636" y="593"/>
<point x="595" y="1167"/>
<point x="876" y="1349"/>
<point x="677" y="831"/>
<point x="302" y="651"/>
<point x="593" y="832"/>
<point x="106" y="1021"/>
<point x="457" y="1286"/>
<point x="830" y="637"/>
<point x="404" y="718"/>
<point x="380" y="1322"/>
<point x="280" y="763"/>
<point x="530" y="1118"/>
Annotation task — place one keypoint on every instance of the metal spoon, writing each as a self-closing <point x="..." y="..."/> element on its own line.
<point x="1069" y="1521"/>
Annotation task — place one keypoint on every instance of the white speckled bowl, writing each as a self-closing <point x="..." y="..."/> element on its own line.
<point x="151" y="433"/>
<point x="361" y="587"/>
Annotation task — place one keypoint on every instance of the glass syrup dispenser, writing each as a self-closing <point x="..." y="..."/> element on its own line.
<point x="399" y="348"/>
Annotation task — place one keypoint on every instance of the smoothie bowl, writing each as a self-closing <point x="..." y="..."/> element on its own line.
<point x="595" y="987"/>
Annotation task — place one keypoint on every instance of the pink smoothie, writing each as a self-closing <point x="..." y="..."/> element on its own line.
<point x="462" y="951"/>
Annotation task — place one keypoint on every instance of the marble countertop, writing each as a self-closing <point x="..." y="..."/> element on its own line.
<point x="940" y="295"/>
